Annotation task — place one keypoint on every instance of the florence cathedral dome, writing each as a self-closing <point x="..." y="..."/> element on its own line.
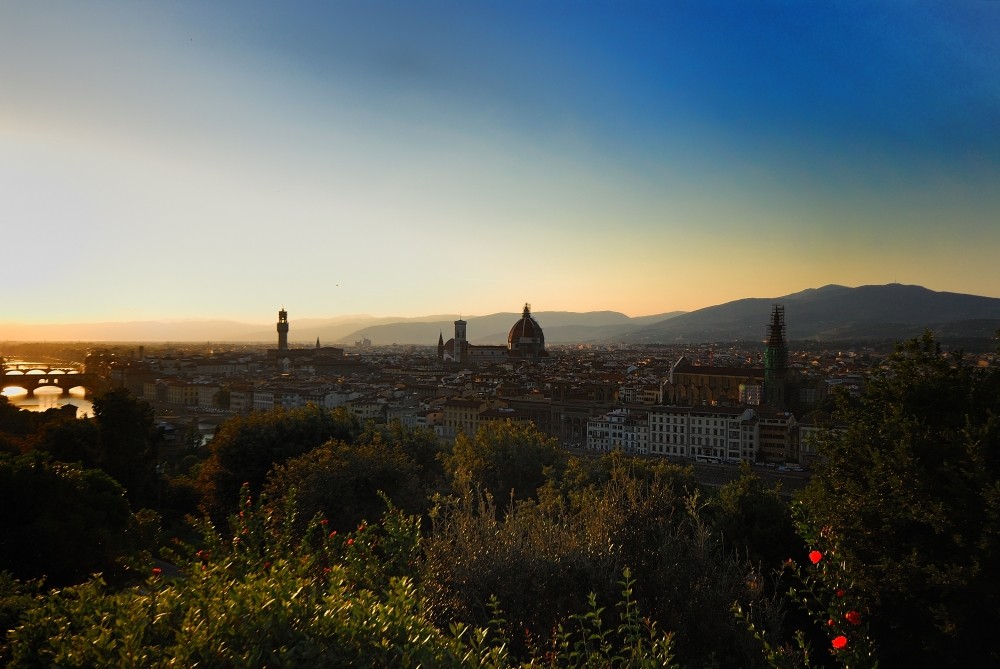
<point x="526" y="339"/>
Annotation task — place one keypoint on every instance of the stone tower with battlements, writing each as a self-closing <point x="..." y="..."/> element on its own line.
<point x="282" y="330"/>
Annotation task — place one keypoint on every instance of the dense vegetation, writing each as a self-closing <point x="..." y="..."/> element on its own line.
<point x="910" y="498"/>
<point x="299" y="538"/>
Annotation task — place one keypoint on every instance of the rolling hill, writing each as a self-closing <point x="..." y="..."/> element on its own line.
<point x="836" y="313"/>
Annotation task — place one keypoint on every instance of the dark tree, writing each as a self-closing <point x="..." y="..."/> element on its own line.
<point x="18" y="429"/>
<point x="911" y="492"/>
<point x="246" y="448"/>
<point x="343" y="482"/>
<point x="221" y="399"/>
<point x="128" y="443"/>
<point x="506" y="458"/>
<point x="753" y="519"/>
<point x="72" y="441"/>
<point x="422" y="446"/>
<point x="59" y="521"/>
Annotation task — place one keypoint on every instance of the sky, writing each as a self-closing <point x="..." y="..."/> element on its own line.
<point x="219" y="160"/>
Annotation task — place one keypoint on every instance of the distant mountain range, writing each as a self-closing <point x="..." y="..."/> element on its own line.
<point x="837" y="314"/>
<point x="831" y="313"/>
<point x="560" y="327"/>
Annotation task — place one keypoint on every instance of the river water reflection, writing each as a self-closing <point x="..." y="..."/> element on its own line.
<point x="46" y="398"/>
<point x="52" y="398"/>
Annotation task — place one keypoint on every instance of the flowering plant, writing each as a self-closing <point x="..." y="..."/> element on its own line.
<point x="825" y="590"/>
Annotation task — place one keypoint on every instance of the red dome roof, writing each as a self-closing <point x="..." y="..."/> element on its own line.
<point x="526" y="336"/>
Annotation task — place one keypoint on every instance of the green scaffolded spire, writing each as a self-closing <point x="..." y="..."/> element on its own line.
<point x="775" y="359"/>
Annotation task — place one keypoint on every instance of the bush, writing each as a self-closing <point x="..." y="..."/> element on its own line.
<point x="263" y="597"/>
<point x="16" y="597"/>
<point x="537" y="557"/>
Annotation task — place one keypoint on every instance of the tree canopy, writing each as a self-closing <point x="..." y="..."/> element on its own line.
<point x="506" y="458"/>
<point x="127" y="443"/>
<point x="59" y="521"/>
<point x="344" y="482"/>
<point x="911" y="493"/>
<point x="246" y="448"/>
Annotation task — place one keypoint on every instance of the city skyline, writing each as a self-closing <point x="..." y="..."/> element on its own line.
<point x="212" y="160"/>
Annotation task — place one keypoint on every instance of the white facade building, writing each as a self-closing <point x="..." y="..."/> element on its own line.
<point x="619" y="429"/>
<point x="338" y="398"/>
<point x="263" y="399"/>
<point x="707" y="433"/>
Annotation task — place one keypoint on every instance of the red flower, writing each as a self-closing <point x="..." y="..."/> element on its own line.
<point x="839" y="642"/>
<point x="333" y="534"/>
<point x="853" y="617"/>
<point x="324" y="521"/>
<point x="350" y="542"/>
<point x="840" y="592"/>
<point x="157" y="571"/>
<point x="815" y="556"/>
<point x="830" y="622"/>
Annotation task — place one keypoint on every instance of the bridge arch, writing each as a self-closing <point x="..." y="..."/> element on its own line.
<point x="63" y="379"/>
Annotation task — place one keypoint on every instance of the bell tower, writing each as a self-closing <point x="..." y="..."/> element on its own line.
<point x="282" y="330"/>
<point x="461" y="347"/>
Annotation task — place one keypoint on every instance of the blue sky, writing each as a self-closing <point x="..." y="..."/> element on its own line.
<point x="220" y="159"/>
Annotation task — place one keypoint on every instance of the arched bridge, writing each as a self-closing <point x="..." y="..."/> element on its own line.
<point x="32" y="378"/>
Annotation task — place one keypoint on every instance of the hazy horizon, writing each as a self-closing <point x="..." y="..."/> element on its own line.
<point x="218" y="160"/>
<point x="44" y="331"/>
<point x="341" y="327"/>
<point x="268" y="318"/>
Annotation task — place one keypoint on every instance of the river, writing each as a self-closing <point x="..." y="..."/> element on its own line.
<point x="49" y="397"/>
<point x="52" y="398"/>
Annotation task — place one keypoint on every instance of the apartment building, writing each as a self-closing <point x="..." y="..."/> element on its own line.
<point x="708" y="433"/>
<point x="460" y="415"/>
<point x="367" y="408"/>
<point x="619" y="429"/>
<point x="182" y="393"/>
<point x="778" y="442"/>
<point x="241" y="398"/>
<point x="206" y="394"/>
